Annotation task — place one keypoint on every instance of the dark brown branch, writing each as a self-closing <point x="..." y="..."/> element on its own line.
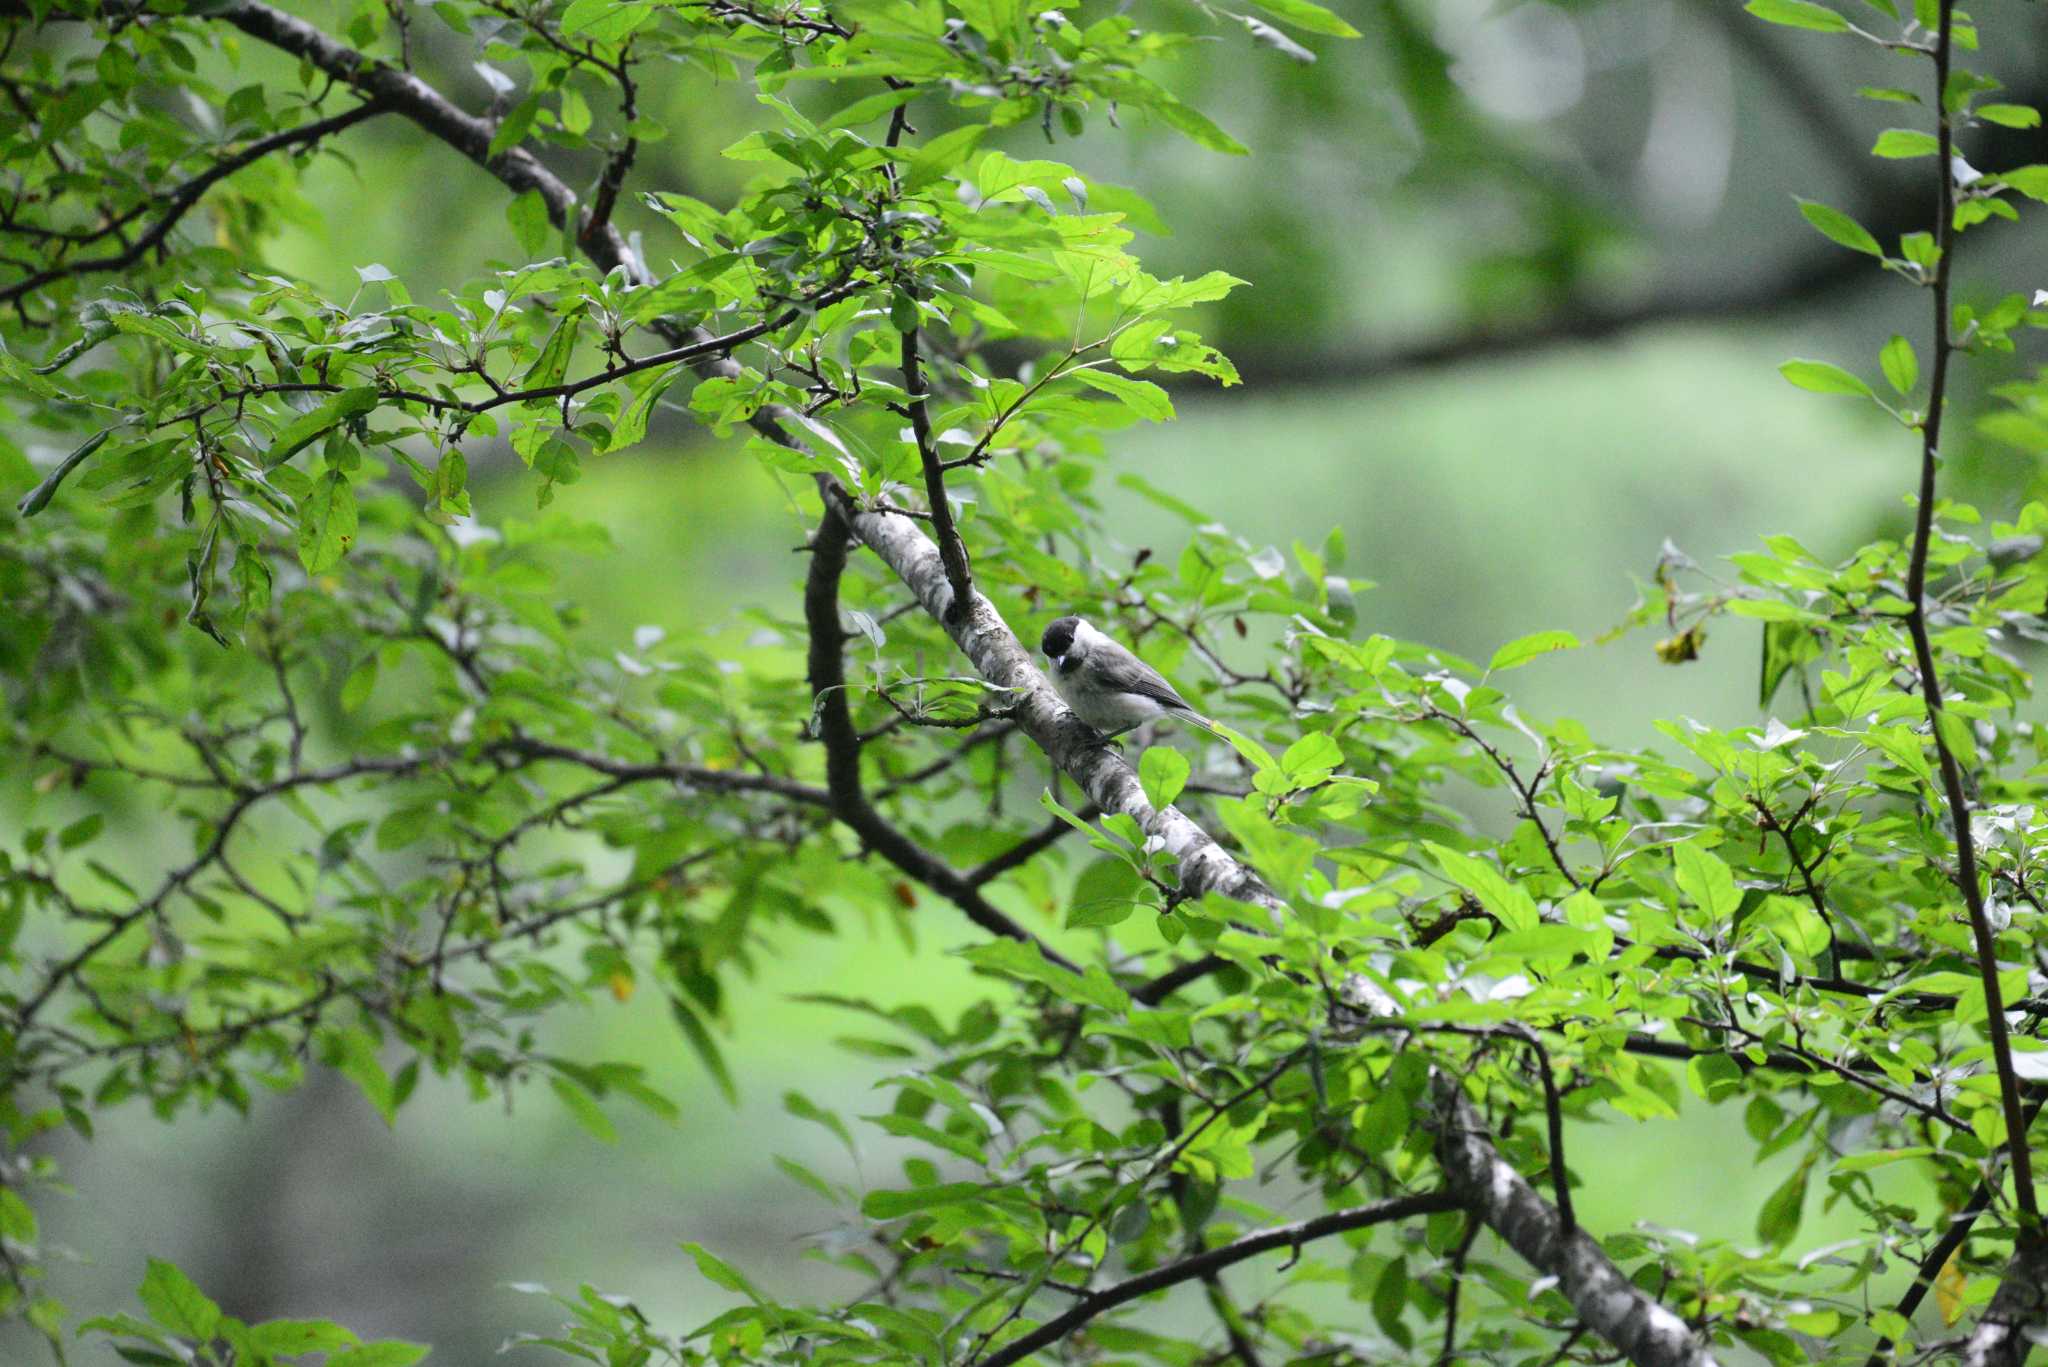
<point x="1000" y="659"/>
<point x="1923" y="650"/>
<point x="1030" y="847"/>
<point x="1156" y="990"/>
<point x="1291" y="1236"/>
<point x="181" y="200"/>
<point x="1455" y="1284"/>
<point x="842" y="747"/>
<point x="1953" y="1238"/>
<point x="952" y="551"/>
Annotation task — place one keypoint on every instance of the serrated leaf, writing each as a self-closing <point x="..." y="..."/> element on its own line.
<point x="174" y="1302"/>
<point x="1142" y="397"/>
<point x="1703" y="877"/>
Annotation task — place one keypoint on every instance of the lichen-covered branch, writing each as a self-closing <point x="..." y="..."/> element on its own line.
<point x="1607" y="1301"/>
<point x="998" y="656"/>
<point x="842" y="747"/>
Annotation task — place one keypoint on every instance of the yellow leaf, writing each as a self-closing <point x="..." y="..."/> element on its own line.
<point x="622" y="985"/>
<point x="1948" y="1291"/>
<point x="1682" y="648"/>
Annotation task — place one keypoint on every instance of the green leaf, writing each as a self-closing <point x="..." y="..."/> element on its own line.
<point x="175" y="1303"/>
<point x="1823" y="378"/>
<point x="1708" y="881"/>
<point x="1798" y="14"/>
<point x="2031" y="181"/>
<point x="719" y="1272"/>
<point x="698" y="1037"/>
<point x="1839" y="227"/>
<point x="1509" y="902"/>
<point x="583" y="1109"/>
<point x="528" y="215"/>
<point x="1164" y="772"/>
<point x="307" y="428"/>
<point x="1015" y="959"/>
<point x="1142" y="397"/>
<point x="1778" y="1221"/>
<point x="1900" y="366"/>
<point x="2010" y="115"/>
<point x="327" y="522"/>
<point x="1519" y="652"/>
<point x="605" y="21"/>
<point x="293" y="1337"/>
<point x="1104" y="895"/>
<point x="1307" y="16"/>
<point x="937" y="157"/>
<point x="894" y="1205"/>
<point x="1878" y="1158"/>
<point x="552" y="363"/>
<point x="515" y="127"/>
<point x="38" y="498"/>
<point x="81" y="830"/>
<point x="387" y="1353"/>
<point x="1899" y="143"/>
<point x="1196" y="125"/>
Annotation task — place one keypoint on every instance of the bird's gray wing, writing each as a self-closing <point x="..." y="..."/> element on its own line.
<point x="1128" y="674"/>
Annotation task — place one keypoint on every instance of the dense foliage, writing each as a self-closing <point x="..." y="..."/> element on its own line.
<point x="324" y="773"/>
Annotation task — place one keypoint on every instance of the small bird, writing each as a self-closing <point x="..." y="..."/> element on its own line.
<point x="1107" y="686"/>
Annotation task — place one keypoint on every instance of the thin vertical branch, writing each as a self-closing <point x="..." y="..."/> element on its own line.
<point x="952" y="551"/>
<point x="1923" y="650"/>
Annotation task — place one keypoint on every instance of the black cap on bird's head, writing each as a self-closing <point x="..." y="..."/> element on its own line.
<point x="1059" y="637"/>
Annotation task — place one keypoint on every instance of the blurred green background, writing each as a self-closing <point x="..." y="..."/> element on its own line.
<point x="1521" y="277"/>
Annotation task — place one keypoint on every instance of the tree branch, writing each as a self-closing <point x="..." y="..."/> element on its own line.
<point x="988" y="642"/>
<point x="952" y="551"/>
<point x="1607" y="1301"/>
<point x="2001" y="1339"/>
<point x="1923" y="650"/>
<point x="842" y="747"/>
<point x="1291" y="1236"/>
<point x="185" y="196"/>
<point x="1953" y="1238"/>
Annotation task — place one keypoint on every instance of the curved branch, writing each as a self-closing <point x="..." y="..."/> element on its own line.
<point x="849" y="799"/>
<point x="185" y="196"/>
<point x="997" y="655"/>
<point x="1607" y="1301"/>
<point x="1208" y="1264"/>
